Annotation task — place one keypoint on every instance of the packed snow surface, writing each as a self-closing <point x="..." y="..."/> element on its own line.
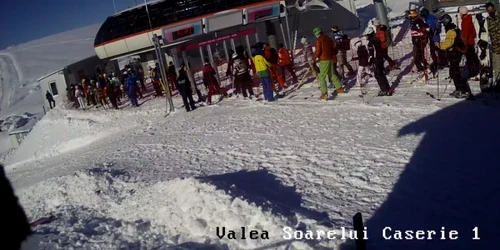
<point x="137" y="178"/>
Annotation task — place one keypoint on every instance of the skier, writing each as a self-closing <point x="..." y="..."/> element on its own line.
<point x="91" y="92"/>
<point x="453" y="44"/>
<point x="184" y="87"/>
<point x="308" y="56"/>
<point x="419" y="29"/>
<point x="262" y="67"/>
<point x="377" y="58"/>
<point x="381" y="33"/>
<point x="116" y="86"/>
<point x="85" y="84"/>
<point x="132" y="90"/>
<point x="493" y="26"/>
<point x="156" y="81"/>
<point x="272" y="57"/>
<point x="434" y="35"/>
<point x="285" y="63"/>
<point x="111" y="93"/>
<point x="211" y="82"/>
<point x="343" y="45"/>
<point x="241" y="73"/>
<point x="326" y="53"/>
<point x="50" y="99"/>
<point x="172" y="76"/>
<point x="135" y="76"/>
<point x="469" y="37"/>
<point x="229" y="70"/>
<point x="80" y="95"/>
<point x="364" y="66"/>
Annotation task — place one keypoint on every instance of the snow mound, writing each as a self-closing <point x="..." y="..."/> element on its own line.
<point x="105" y="208"/>
<point x="61" y="131"/>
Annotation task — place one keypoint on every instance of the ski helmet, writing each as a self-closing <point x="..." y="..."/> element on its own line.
<point x="369" y="31"/>
<point x="303" y="40"/>
<point x="412" y="14"/>
<point x="463" y="10"/>
<point x="446" y="20"/>
<point x="317" y="31"/>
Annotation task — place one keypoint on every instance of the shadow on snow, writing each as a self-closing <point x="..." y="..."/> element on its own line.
<point x="263" y="189"/>
<point x="451" y="181"/>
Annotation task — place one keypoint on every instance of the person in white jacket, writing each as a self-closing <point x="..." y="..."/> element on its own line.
<point x="80" y="96"/>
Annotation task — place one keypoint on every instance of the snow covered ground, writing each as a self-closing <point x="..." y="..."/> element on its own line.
<point x="138" y="179"/>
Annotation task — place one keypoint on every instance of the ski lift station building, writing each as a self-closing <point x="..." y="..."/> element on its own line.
<point x="58" y="81"/>
<point x="130" y="32"/>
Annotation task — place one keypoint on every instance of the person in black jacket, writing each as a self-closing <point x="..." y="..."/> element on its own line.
<point x="377" y="57"/>
<point x="50" y="99"/>
<point x="184" y="87"/>
<point x="15" y="226"/>
<point x="419" y="30"/>
<point x="364" y="65"/>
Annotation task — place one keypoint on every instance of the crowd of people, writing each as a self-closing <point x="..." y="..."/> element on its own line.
<point x="459" y="42"/>
<point x="107" y="90"/>
<point x="326" y="60"/>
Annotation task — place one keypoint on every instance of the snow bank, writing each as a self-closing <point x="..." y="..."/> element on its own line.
<point x="105" y="209"/>
<point x="61" y="131"/>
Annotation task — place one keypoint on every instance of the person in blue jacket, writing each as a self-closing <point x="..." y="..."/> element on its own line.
<point x="132" y="89"/>
<point x="434" y="36"/>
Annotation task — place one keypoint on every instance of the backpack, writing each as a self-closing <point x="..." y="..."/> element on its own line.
<point x="240" y="66"/>
<point x="459" y="44"/>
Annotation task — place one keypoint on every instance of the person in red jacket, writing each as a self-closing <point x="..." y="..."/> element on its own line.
<point x="285" y="63"/>
<point x="211" y="82"/>
<point x="469" y="36"/>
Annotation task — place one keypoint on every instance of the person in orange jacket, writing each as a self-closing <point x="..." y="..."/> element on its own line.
<point x="285" y="63"/>
<point x="326" y="52"/>
<point x="381" y="34"/>
<point x="271" y="55"/>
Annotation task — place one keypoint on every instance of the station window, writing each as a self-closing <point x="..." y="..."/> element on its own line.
<point x="53" y="88"/>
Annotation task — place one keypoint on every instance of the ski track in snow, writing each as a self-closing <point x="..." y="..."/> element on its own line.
<point x="10" y="75"/>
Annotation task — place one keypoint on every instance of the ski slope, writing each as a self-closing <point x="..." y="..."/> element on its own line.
<point x="21" y="65"/>
<point x="137" y="179"/>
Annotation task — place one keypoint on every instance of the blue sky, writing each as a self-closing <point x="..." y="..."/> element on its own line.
<point x="24" y="21"/>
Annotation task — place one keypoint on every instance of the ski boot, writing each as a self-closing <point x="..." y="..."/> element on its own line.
<point x="455" y="93"/>
<point x="386" y="93"/>
<point x="323" y="97"/>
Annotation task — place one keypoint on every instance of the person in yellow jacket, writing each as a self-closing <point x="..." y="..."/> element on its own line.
<point x="455" y="48"/>
<point x="262" y="68"/>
